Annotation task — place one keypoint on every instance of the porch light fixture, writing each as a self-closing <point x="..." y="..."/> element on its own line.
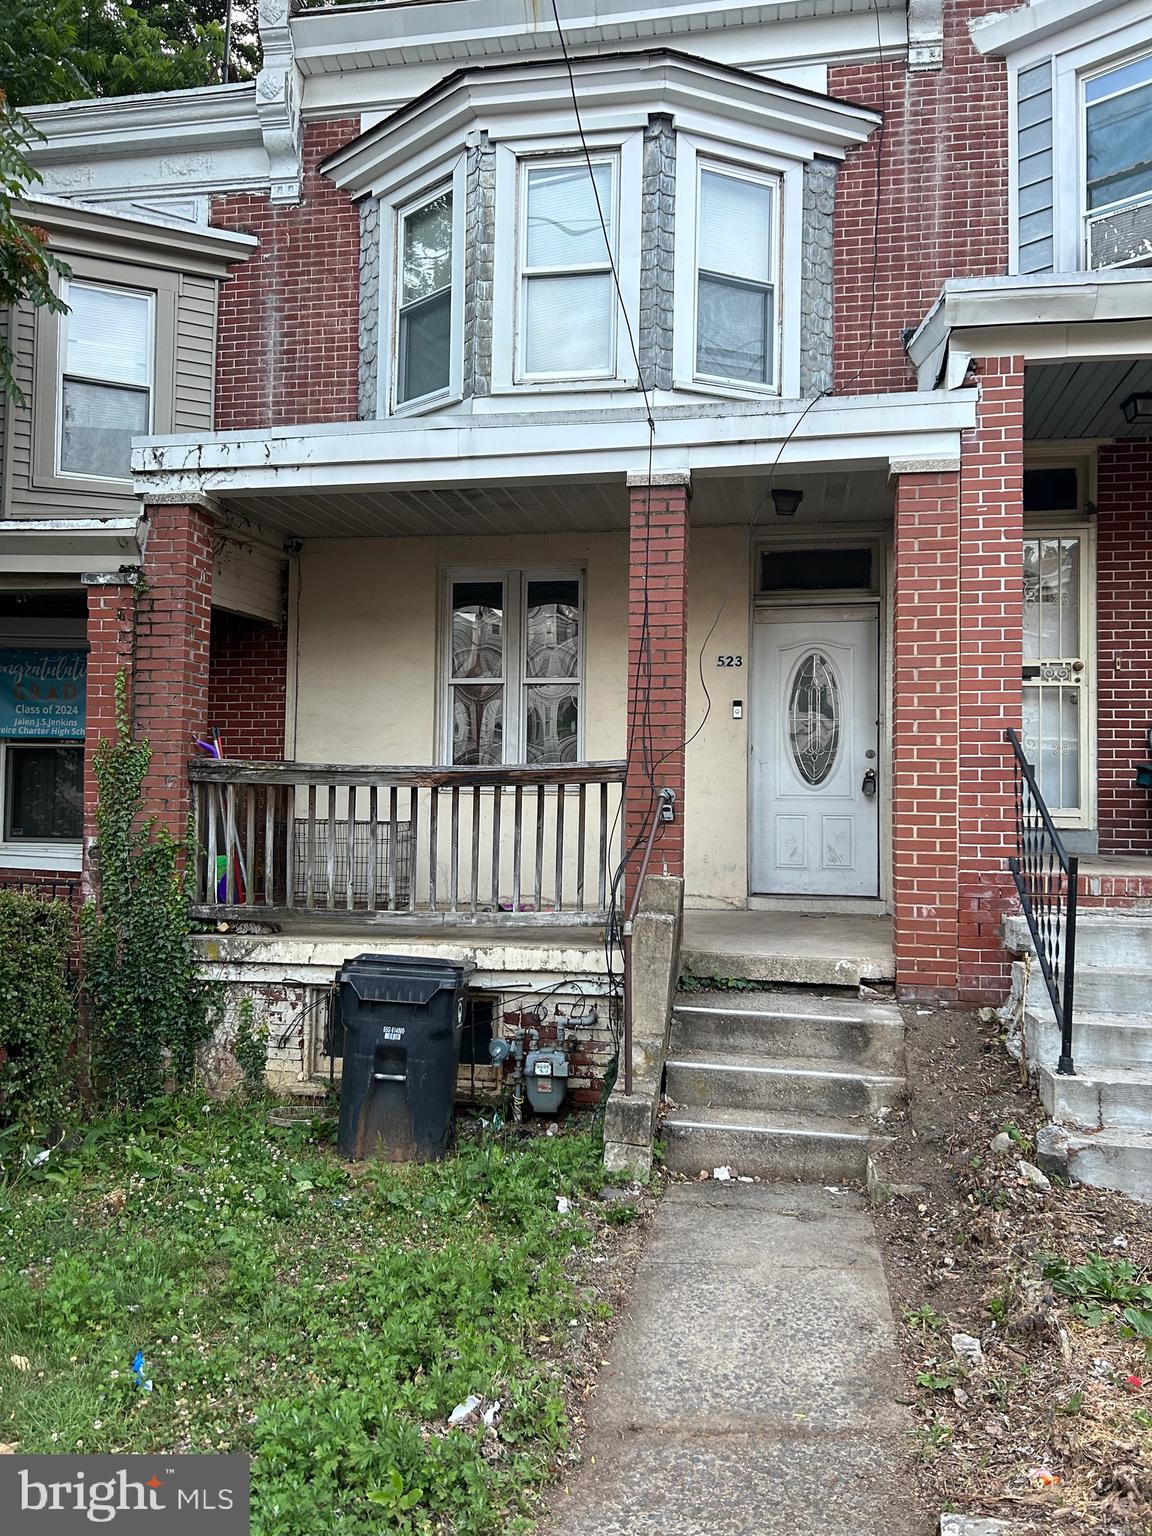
<point x="786" y="502"/>
<point x="1138" y="410"/>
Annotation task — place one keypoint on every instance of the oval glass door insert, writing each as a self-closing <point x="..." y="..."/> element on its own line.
<point x="814" y="718"/>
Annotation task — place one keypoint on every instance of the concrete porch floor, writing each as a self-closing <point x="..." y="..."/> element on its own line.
<point x="795" y="948"/>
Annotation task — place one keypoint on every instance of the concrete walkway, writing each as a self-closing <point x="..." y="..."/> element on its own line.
<point x="751" y="1389"/>
<point x="796" y="948"/>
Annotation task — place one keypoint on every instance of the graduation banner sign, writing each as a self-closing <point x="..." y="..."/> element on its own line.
<point x="43" y="694"/>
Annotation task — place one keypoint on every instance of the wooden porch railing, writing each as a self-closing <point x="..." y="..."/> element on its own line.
<point x="476" y="845"/>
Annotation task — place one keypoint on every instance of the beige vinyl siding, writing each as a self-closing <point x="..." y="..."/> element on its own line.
<point x="248" y="578"/>
<point x="5" y="318"/>
<point x="191" y="372"/>
<point x="195" y="354"/>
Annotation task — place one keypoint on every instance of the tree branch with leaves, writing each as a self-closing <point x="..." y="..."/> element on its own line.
<point x="27" y="265"/>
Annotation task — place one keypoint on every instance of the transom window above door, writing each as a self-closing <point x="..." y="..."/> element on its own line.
<point x="514" y="668"/>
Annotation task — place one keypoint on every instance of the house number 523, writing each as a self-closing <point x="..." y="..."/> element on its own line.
<point x="729" y="661"/>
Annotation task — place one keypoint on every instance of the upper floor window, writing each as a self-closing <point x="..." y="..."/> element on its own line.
<point x="106" y="379"/>
<point x="735" y="277"/>
<point x="424" y="300"/>
<point x="1118" y="134"/>
<point x="568" y="244"/>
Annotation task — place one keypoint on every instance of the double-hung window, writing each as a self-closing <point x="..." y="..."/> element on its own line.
<point x="424" y="299"/>
<point x="736" y="258"/>
<point x="106" y="384"/>
<point x="568" y="244"/>
<point x="515" y="667"/>
<point x="1118" y="134"/>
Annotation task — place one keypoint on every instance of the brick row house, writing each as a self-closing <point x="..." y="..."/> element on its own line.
<point x="753" y="404"/>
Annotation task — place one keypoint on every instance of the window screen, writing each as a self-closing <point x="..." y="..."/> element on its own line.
<point x="735" y="301"/>
<point x="1118" y="133"/>
<point x="424" y="350"/>
<point x="812" y="570"/>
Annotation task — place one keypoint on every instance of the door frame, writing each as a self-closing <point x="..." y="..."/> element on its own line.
<point x="855" y="603"/>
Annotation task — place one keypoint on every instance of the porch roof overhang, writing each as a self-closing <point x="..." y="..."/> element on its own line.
<point x="320" y="481"/>
<point x="71" y="546"/>
<point x="1044" y="318"/>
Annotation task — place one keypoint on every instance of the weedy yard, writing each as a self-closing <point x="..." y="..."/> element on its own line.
<point x="326" y="1321"/>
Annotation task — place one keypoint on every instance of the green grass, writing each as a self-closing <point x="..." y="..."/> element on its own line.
<point x="324" y="1324"/>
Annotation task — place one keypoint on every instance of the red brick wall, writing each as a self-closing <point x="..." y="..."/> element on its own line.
<point x="1124" y="643"/>
<point x="958" y="654"/>
<point x="657" y="667"/>
<point x="247" y="686"/>
<point x="288" y="334"/>
<point x="926" y="734"/>
<point x="991" y="658"/>
<point x="943" y="197"/>
<point x="166" y="663"/>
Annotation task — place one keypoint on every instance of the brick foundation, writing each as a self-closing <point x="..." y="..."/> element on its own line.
<point x="657" y="668"/>
<point x="289" y="317"/>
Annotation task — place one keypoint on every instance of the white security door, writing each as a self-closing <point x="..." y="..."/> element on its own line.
<point x="815" y="756"/>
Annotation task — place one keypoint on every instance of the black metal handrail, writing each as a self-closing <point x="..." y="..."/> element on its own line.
<point x="1046" y="877"/>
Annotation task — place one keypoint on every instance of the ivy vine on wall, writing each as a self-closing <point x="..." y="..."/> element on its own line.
<point x="149" y="1010"/>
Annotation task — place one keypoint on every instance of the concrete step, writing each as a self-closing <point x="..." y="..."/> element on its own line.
<point x="1102" y="989"/>
<point x="804" y="1086"/>
<point x="1108" y="1098"/>
<point x="1100" y="1040"/>
<point x="789" y="1026"/>
<point x="1118" y="939"/>
<point x="1112" y="1159"/>
<point x="769" y="1145"/>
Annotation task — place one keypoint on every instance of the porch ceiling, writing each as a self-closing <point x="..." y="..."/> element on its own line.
<point x="834" y="496"/>
<point x="1070" y="400"/>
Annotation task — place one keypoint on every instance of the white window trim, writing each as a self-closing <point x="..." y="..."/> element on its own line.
<point x="61" y="854"/>
<point x="515" y="579"/>
<point x="1070" y="67"/>
<point x="62" y="370"/>
<point x="392" y="210"/>
<point x="1055" y="525"/>
<point x="692" y="154"/>
<point x="775" y="182"/>
<point x="511" y="157"/>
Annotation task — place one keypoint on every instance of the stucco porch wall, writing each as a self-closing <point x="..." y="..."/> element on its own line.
<point x="367" y="615"/>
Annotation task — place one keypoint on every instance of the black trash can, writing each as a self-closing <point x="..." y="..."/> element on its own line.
<point x="403" y="1017"/>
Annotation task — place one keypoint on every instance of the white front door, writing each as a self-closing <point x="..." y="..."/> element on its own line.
<point x="815" y="755"/>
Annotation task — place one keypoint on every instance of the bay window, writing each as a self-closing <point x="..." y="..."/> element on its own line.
<point x="106" y="379"/>
<point x="568" y="243"/>
<point x="736" y="239"/>
<point x="514" y="667"/>
<point x="424" y="299"/>
<point x="1118" y="134"/>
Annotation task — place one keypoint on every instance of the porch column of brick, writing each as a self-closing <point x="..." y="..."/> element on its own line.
<point x="154" y="628"/>
<point x="991" y="659"/>
<point x="111" y="602"/>
<point x="172" y="649"/>
<point x="926" y="742"/>
<point x="657" y="663"/>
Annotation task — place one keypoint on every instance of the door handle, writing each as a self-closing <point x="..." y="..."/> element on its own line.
<point x="869" y="784"/>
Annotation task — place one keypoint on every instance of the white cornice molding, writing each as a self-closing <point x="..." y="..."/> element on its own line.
<point x="617" y="90"/>
<point x="363" y="456"/>
<point x="71" y="545"/>
<point x="358" y="37"/>
<point x="216" y="138"/>
<point x="1006" y="32"/>
<point x="75" y="229"/>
